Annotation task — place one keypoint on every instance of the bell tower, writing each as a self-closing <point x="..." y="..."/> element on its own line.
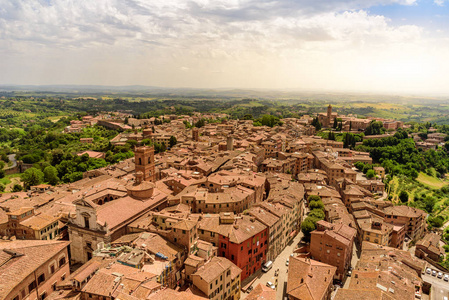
<point x="329" y="115"/>
<point x="144" y="161"/>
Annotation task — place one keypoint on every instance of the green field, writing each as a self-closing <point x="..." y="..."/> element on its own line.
<point x="431" y="182"/>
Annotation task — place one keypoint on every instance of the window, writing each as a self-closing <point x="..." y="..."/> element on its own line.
<point x="41" y="279"/>
<point x="62" y="261"/>
<point x="31" y="286"/>
<point x="52" y="269"/>
<point x="86" y="222"/>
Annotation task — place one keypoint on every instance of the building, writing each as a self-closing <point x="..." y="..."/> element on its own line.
<point x="262" y="292"/>
<point x="245" y="244"/>
<point x="429" y="247"/>
<point x="333" y="244"/>
<point x="24" y="223"/>
<point x="309" y="279"/>
<point x="144" y="161"/>
<point x="413" y="219"/>
<point x="32" y="269"/>
<point x="384" y="273"/>
<point x="372" y="229"/>
<point x="117" y="281"/>
<point x="103" y="217"/>
<point x="218" y="279"/>
<point x="327" y="119"/>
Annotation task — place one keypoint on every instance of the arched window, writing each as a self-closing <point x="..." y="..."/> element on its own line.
<point x="149" y="160"/>
<point x="140" y="161"/>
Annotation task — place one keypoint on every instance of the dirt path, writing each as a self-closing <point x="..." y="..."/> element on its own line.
<point x="14" y="180"/>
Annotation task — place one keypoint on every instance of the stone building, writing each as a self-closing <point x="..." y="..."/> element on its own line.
<point x="32" y="269"/>
<point x="333" y="244"/>
<point x="97" y="221"/>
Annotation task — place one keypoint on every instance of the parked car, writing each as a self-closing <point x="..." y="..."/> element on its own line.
<point x="270" y="285"/>
<point x="440" y="275"/>
<point x="434" y="273"/>
<point x="429" y="270"/>
<point x="349" y="273"/>
<point x="446" y="277"/>
<point x="287" y="262"/>
<point x="249" y="289"/>
<point x="267" y="266"/>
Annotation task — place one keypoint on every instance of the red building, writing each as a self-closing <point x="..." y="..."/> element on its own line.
<point x="245" y="244"/>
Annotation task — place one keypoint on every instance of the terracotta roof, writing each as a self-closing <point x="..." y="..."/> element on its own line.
<point x="262" y="292"/>
<point x="308" y="279"/>
<point x="32" y="255"/>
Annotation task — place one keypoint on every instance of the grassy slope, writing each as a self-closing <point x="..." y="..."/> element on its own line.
<point x="431" y="182"/>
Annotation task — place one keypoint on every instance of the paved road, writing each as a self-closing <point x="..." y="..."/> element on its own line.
<point x="440" y="288"/>
<point x="12" y="158"/>
<point x="355" y="259"/>
<point x="278" y="263"/>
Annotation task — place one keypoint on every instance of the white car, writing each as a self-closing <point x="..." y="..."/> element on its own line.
<point x="286" y="262"/>
<point x="446" y="277"/>
<point x="440" y="275"/>
<point x="428" y="271"/>
<point x="271" y="285"/>
<point x="434" y="273"/>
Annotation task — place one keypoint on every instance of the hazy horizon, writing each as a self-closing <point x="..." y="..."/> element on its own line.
<point x="396" y="47"/>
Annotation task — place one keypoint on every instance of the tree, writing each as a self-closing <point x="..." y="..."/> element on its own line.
<point x="2" y="187"/>
<point x="57" y="157"/>
<point x="375" y="128"/>
<point x="307" y="226"/>
<point x="370" y="174"/>
<point x="173" y="141"/>
<point x="316" y="123"/>
<point x="200" y="123"/>
<point x="403" y="196"/>
<point x="31" y="177"/>
<point x="51" y="175"/>
<point x="331" y="136"/>
<point x="317" y="214"/>
<point x="438" y="221"/>
<point x="313" y="198"/>
<point x="446" y="146"/>
<point x="17" y="188"/>
<point x="316" y="205"/>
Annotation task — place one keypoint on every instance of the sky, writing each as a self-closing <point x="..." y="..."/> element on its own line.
<point x="397" y="46"/>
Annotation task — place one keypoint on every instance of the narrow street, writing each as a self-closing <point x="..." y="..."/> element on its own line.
<point x="278" y="263"/>
<point x="355" y="259"/>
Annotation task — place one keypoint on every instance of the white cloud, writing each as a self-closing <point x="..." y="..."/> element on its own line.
<point x="304" y="43"/>
<point x="439" y="2"/>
